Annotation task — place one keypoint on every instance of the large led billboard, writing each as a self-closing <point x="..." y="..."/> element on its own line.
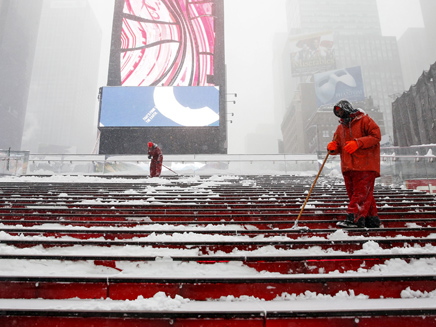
<point x="166" y="80"/>
<point x="167" y="42"/>
<point x="159" y="106"/>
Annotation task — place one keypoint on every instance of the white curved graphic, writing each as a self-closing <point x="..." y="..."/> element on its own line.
<point x="168" y="106"/>
<point x="326" y="83"/>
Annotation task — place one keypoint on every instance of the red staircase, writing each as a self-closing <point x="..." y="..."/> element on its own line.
<point x="88" y="252"/>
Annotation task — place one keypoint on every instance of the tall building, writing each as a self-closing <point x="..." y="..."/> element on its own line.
<point x="63" y="106"/>
<point x="292" y="127"/>
<point x="19" y="23"/>
<point x="381" y="68"/>
<point x="428" y="9"/>
<point x="415" y="54"/>
<point x="414" y="116"/>
<point x="357" y="38"/>
<point x="357" y="17"/>
<point x="417" y="46"/>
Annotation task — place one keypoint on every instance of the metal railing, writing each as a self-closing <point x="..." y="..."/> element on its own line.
<point x="399" y="166"/>
<point x="180" y="164"/>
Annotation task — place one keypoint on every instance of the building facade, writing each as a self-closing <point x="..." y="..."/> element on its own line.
<point x="357" y="38"/>
<point x="415" y="112"/>
<point x="415" y="54"/>
<point x="417" y="46"/>
<point x="428" y="9"/>
<point x="292" y="127"/>
<point x="19" y="24"/>
<point x="62" y="109"/>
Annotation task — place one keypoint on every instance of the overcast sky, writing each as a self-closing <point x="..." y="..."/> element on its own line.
<point x="250" y="27"/>
<point x="398" y="15"/>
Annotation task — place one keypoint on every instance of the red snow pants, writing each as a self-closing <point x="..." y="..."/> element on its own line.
<point x="360" y="188"/>
<point x="155" y="169"/>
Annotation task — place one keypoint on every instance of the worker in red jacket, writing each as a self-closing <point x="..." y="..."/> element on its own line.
<point x="357" y="141"/>
<point x="155" y="154"/>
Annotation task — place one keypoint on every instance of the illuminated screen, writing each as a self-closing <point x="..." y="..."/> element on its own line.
<point x="159" y="106"/>
<point x="167" y="43"/>
<point x="166" y="78"/>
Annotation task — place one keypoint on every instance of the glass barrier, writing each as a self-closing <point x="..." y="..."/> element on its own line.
<point x="13" y="162"/>
<point x="173" y="164"/>
<point x="413" y="167"/>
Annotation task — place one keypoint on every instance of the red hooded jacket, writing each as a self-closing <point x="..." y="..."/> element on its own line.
<point x="364" y="130"/>
<point x="155" y="153"/>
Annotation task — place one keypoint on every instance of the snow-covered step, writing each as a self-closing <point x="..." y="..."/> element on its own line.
<point x="210" y="242"/>
<point x="316" y="219"/>
<point x="311" y="310"/>
<point x="322" y="223"/>
<point x="202" y="213"/>
<point x="211" y="198"/>
<point x="202" y="288"/>
<point x="117" y="232"/>
<point x="277" y="261"/>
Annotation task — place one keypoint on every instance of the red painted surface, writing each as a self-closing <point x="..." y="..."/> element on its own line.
<point x="202" y="291"/>
<point x="17" y="321"/>
<point x="52" y="290"/>
<point x="423" y="185"/>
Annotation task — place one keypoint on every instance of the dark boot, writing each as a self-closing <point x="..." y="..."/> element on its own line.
<point x="372" y="222"/>
<point x="349" y="222"/>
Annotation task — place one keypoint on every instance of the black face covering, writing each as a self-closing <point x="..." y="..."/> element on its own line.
<point x="341" y="113"/>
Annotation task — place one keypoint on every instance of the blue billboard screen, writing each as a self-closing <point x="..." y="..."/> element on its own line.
<point x="159" y="106"/>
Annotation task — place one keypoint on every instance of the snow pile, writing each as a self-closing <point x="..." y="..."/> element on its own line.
<point x="409" y="294"/>
<point x="159" y="302"/>
<point x="306" y="296"/>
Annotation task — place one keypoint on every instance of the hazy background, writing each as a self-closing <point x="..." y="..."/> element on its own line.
<point x="62" y="86"/>
<point x="250" y="28"/>
<point x="252" y="79"/>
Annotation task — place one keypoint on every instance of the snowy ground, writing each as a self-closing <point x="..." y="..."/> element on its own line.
<point x="164" y="266"/>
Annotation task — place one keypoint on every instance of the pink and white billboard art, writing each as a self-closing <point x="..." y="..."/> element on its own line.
<point x="167" y="43"/>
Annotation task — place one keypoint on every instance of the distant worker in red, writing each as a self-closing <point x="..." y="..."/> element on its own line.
<point x="357" y="141"/>
<point x="155" y="154"/>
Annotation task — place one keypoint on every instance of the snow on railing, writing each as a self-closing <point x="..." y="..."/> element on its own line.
<point x="181" y="164"/>
<point x="393" y="165"/>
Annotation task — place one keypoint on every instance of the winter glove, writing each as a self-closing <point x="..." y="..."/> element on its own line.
<point x="332" y="146"/>
<point x="149" y="156"/>
<point x="351" y="146"/>
<point x="157" y="162"/>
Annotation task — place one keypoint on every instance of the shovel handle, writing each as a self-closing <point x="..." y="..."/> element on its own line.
<point x="169" y="169"/>
<point x="313" y="185"/>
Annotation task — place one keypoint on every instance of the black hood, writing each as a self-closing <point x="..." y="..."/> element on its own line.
<point x="343" y="109"/>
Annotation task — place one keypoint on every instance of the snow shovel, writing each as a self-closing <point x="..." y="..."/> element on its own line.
<point x="307" y="198"/>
